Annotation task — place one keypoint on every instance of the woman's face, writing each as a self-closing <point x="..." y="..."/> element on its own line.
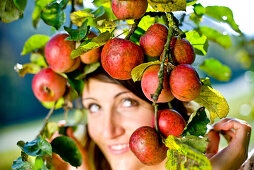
<point x="114" y="113"/>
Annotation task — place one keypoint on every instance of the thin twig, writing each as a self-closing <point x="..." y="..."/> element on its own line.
<point x="72" y="10"/>
<point x="51" y="111"/>
<point x="133" y="28"/>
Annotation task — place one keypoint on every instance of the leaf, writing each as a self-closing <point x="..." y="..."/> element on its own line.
<point x="21" y="144"/>
<point x="49" y="105"/>
<point x="45" y="147"/>
<point x="38" y="147"/>
<point x="8" y="11"/>
<point x="182" y="156"/>
<point x="96" y="42"/>
<point x="199" y="43"/>
<point x="20" y="4"/>
<point x="34" y="42"/>
<point x="77" y="34"/>
<point x="38" y="59"/>
<point x="79" y="17"/>
<point x="50" y="129"/>
<point x="168" y="5"/>
<point x="216" y="69"/>
<point x="213" y="101"/>
<point x="38" y="163"/>
<point x="39" y="6"/>
<point x="89" y="68"/>
<point x="137" y="72"/>
<point x="195" y="142"/>
<point x="197" y="123"/>
<point x="67" y="149"/>
<point x="30" y="68"/>
<point x="215" y="36"/>
<point x="223" y="14"/>
<point x="21" y="165"/>
<point x="53" y="15"/>
<point x="190" y="2"/>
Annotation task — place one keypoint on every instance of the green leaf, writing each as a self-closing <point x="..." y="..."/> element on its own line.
<point x="21" y="165"/>
<point x="53" y="15"/>
<point x="38" y="163"/>
<point x="195" y="142"/>
<point x="137" y="72"/>
<point x="168" y="5"/>
<point x="197" y="123"/>
<point x="216" y="69"/>
<point x="96" y="42"/>
<point x="50" y="129"/>
<point x="79" y="17"/>
<point x="146" y="22"/>
<point x="215" y="36"/>
<point x="8" y="11"/>
<point x="39" y="6"/>
<point x="45" y="147"/>
<point x="30" y="68"/>
<point x="77" y="34"/>
<point x="213" y="101"/>
<point x="67" y="149"/>
<point x="89" y="68"/>
<point x="49" y="105"/>
<point x="190" y="2"/>
<point x="77" y="85"/>
<point x="38" y="59"/>
<point x="20" y="4"/>
<point x="38" y="147"/>
<point x="182" y="156"/>
<point x="34" y="42"/>
<point x="199" y="43"/>
<point x="223" y="14"/>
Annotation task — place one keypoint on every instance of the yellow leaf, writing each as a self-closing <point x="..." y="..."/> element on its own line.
<point x="180" y="156"/>
<point x="168" y="5"/>
<point x="80" y="16"/>
<point x="213" y="101"/>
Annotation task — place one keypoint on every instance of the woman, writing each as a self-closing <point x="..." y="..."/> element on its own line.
<point x="117" y="108"/>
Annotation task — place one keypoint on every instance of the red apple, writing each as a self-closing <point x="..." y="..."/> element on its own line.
<point x="170" y="122"/>
<point x="120" y="56"/>
<point x="154" y="39"/>
<point x="129" y="9"/>
<point x="147" y="145"/>
<point x="150" y="82"/>
<point x="182" y="51"/>
<point x="58" y="54"/>
<point x="48" y="86"/>
<point x="184" y="82"/>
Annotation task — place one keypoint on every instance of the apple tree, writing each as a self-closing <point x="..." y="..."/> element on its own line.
<point x="158" y="51"/>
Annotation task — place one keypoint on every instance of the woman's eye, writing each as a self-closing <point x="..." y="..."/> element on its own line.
<point x="93" y="108"/>
<point x="129" y="103"/>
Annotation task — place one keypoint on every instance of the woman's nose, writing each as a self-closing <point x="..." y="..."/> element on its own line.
<point x="112" y="125"/>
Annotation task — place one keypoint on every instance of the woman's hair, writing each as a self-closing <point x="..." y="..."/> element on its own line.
<point x="135" y="87"/>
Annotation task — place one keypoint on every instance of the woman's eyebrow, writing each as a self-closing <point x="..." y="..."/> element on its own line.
<point x="119" y="94"/>
<point x="88" y="98"/>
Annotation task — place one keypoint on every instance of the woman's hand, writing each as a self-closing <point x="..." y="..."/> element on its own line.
<point x="237" y="133"/>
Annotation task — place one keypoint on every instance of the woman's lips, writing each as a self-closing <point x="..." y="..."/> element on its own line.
<point x="118" y="148"/>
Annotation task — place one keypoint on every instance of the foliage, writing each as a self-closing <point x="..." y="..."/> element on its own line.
<point x="183" y="151"/>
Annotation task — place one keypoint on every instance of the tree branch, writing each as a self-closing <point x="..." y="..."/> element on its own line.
<point x="51" y="111"/>
<point x="133" y="28"/>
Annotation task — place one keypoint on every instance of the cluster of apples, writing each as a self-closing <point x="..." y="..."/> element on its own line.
<point x="48" y="85"/>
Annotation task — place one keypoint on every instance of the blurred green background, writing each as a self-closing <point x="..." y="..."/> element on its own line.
<point x="22" y="114"/>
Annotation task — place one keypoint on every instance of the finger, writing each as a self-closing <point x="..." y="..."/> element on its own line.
<point x="213" y="143"/>
<point x="228" y="135"/>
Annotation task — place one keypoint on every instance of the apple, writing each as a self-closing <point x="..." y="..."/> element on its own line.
<point x="58" y="54"/>
<point x="120" y="56"/>
<point x="48" y="86"/>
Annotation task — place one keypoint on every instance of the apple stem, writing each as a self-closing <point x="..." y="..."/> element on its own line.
<point x="51" y="111"/>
